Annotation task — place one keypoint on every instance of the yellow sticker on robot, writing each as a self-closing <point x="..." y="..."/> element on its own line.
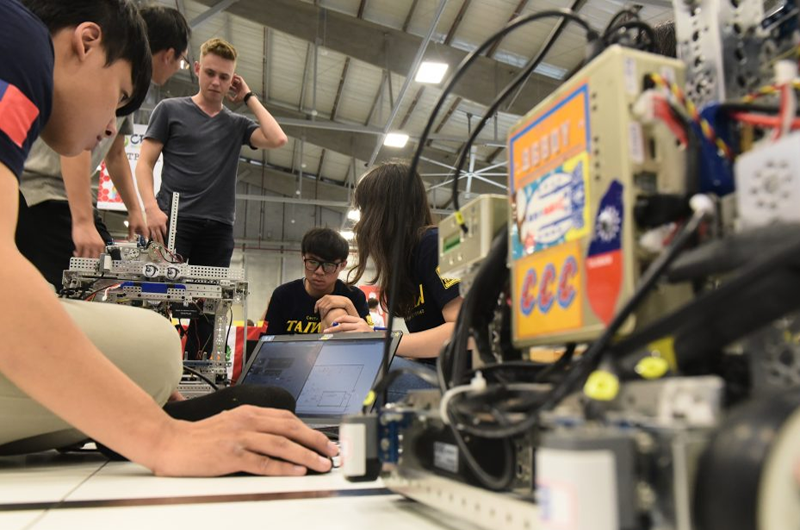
<point x="652" y="367"/>
<point x="549" y="139"/>
<point x="370" y="399"/>
<point x="601" y="386"/>
<point x="665" y="348"/>
<point x="548" y="292"/>
<point x="549" y="176"/>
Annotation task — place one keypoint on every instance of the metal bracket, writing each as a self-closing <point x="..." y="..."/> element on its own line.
<point x="173" y="221"/>
<point x="721" y="42"/>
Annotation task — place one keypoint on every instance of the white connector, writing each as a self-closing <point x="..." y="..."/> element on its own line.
<point x="106" y="262"/>
<point x="645" y="107"/>
<point x="476" y="384"/>
<point x="702" y="204"/>
<point x="785" y="72"/>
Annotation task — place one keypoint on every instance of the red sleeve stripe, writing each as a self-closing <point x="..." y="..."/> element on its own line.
<point x="17" y="113"/>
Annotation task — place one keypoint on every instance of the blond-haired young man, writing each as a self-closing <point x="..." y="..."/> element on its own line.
<point x="201" y="141"/>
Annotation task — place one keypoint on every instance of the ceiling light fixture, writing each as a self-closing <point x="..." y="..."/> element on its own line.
<point x="395" y="140"/>
<point x="431" y="72"/>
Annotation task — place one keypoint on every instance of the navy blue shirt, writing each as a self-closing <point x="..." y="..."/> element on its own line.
<point x="434" y="292"/>
<point x="26" y="82"/>
<point x="291" y="308"/>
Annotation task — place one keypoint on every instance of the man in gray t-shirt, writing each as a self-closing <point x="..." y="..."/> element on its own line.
<point x="201" y="155"/>
<point x="201" y="141"/>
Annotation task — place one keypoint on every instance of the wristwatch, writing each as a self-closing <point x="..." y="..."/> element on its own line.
<point x="247" y="96"/>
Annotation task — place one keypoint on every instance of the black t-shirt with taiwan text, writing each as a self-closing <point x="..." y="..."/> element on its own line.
<point x="434" y="292"/>
<point x="291" y="308"/>
<point x="26" y="82"/>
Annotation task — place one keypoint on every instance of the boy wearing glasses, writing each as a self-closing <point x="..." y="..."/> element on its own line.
<point x="312" y="303"/>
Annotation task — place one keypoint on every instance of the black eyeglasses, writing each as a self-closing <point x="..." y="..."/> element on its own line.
<point x="185" y="64"/>
<point x="327" y="266"/>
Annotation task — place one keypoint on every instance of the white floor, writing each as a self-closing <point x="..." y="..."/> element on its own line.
<point x="84" y="491"/>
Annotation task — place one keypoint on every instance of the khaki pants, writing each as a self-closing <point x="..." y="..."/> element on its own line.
<point x="141" y="343"/>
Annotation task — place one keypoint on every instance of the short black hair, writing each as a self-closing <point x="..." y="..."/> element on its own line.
<point x="124" y="35"/>
<point x="372" y="303"/>
<point x="326" y="244"/>
<point x="166" y="28"/>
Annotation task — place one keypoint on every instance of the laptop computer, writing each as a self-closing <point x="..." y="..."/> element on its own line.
<point x="328" y="375"/>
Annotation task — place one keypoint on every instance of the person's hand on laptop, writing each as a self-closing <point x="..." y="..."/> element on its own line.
<point x="348" y="323"/>
<point x="251" y="439"/>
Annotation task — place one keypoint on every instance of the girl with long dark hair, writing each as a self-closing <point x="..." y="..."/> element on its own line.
<point x="394" y="213"/>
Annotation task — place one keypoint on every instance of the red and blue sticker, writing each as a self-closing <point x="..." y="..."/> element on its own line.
<point x="17" y="113"/>
<point x="604" y="258"/>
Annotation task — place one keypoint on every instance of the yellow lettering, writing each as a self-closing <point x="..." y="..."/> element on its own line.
<point x="446" y="282"/>
<point x="298" y="328"/>
<point x="421" y="299"/>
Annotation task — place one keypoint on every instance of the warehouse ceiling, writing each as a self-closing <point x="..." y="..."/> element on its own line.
<point x="338" y="75"/>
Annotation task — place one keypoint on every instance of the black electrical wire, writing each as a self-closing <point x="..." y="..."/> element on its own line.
<point x="643" y="27"/>
<point x="68" y="291"/>
<point x="230" y="324"/>
<point x="459" y="73"/>
<point x="561" y="363"/>
<point x="534" y="403"/>
<point x="591" y="36"/>
<point x="593" y="355"/>
<point x="785" y="257"/>
<point x="630" y="12"/>
<point x="200" y="376"/>
<point x="493" y="268"/>
<point x="511" y="365"/>
<point x="654" y="272"/>
<point x="462" y="331"/>
<point x="227" y="335"/>
<point x="95" y="292"/>
<point x="494" y="483"/>
<point x="751" y="108"/>
<point x="633" y="13"/>
<point x="487" y="480"/>
<point x="385" y="382"/>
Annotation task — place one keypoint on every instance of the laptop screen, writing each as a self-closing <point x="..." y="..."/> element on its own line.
<point x="326" y="378"/>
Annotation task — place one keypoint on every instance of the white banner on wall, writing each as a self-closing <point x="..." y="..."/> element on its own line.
<point x="107" y="196"/>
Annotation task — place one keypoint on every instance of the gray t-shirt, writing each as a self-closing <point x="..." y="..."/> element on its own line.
<point x="41" y="179"/>
<point x="201" y="157"/>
